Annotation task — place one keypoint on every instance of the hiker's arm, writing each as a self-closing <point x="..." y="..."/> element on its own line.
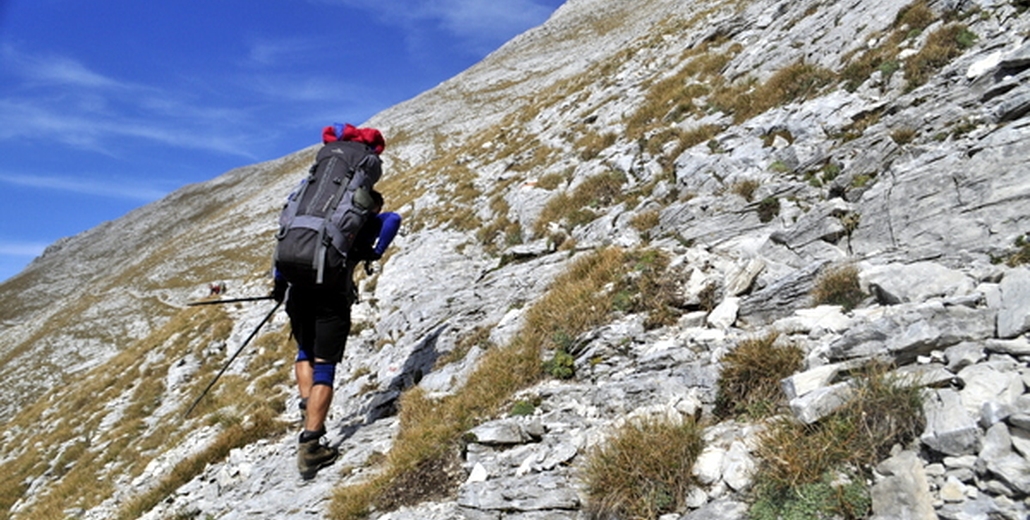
<point x="391" y="222"/>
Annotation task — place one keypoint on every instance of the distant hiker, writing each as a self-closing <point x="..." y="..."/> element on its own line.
<point x="316" y="253"/>
<point x="216" y="288"/>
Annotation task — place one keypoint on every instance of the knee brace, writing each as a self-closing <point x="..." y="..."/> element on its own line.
<point x="304" y="355"/>
<point x="325" y="373"/>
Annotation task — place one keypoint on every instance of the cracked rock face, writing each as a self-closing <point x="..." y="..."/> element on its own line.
<point x="927" y="221"/>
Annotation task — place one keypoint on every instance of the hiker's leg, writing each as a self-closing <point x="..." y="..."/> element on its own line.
<point x="304" y="370"/>
<point x="332" y="326"/>
<point x="321" y="395"/>
<point x="302" y="313"/>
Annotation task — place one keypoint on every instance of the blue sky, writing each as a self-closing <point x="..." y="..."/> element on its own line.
<point x="107" y="105"/>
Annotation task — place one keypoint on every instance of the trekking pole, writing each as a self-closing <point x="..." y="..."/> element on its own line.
<point x="222" y="371"/>
<point x="232" y="300"/>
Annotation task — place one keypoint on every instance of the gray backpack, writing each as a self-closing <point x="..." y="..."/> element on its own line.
<point x="324" y="214"/>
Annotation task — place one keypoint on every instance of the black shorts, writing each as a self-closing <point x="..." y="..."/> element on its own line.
<point x="320" y="318"/>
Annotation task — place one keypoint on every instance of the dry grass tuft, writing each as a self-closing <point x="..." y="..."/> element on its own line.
<point x="942" y="46"/>
<point x="838" y="286"/>
<point x="745" y="188"/>
<point x="644" y="469"/>
<point x="749" y="384"/>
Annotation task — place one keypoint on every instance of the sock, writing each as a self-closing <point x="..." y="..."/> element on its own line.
<point x="308" y="435"/>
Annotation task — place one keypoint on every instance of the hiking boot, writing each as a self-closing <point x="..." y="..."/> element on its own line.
<point x="312" y="456"/>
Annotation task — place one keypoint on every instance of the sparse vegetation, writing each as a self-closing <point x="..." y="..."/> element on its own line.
<point x="801" y="463"/>
<point x="796" y="82"/>
<point x="942" y="46"/>
<point x="644" y="469"/>
<point x="429" y="427"/>
<point x="1022" y="254"/>
<point x="134" y="385"/>
<point x="593" y="144"/>
<point x="576" y="209"/>
<point x="909" y="23"/>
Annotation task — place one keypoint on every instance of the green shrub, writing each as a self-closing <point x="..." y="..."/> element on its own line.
<point x="648" y="286"/>
<point x="643" y="470"/>
<point x="561" y="365"/>
<point x="768" y="209"/>
<point x="848" y="499"/>
<point x="522" y="408"/>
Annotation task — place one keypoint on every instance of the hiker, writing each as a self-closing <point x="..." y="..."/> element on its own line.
<point x="320" y="312"/>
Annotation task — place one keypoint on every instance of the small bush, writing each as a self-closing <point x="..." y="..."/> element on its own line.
<point x="903" y="136"/>
<point x="847" y="499"/>
<point x="1022" y="255"/>
<point x="750" y="380"/>
<point x="768" y="209"/>
<point x="522" y="408"/>
<point x="838" y="286"/>
<point x="644" y="469"/>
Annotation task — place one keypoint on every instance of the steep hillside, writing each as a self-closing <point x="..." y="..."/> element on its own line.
<point x="618" y="226"/>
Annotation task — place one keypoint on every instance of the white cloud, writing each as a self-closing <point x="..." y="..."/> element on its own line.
<point x="481" y="24"/>
<point x="275" y="52"/>
<point x="55" y="70"/>
<point x="60" y="100"/>
<point x="100" y="131"/>
<point x="107" y="188"/>
<point x="21" y="249"/>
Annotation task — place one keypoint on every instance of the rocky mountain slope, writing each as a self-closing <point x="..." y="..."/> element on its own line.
<point x="716" y="159"/>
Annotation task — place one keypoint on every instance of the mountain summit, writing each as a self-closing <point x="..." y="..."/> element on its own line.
<point x="660" y="259"/>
